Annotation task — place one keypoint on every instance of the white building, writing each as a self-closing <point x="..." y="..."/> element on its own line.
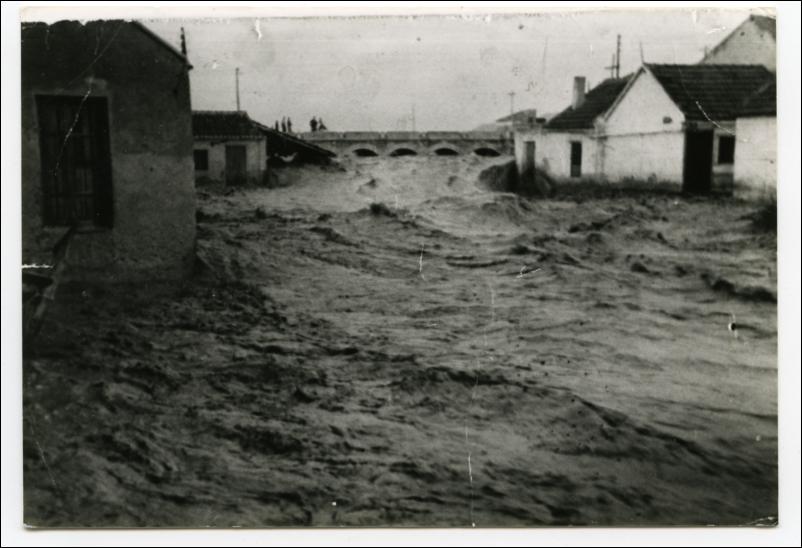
<point x="567" y="146"/>
<point x="756" y="149"/>
<point x="753" y="42"/>
<point x="229" y="148"/>
<point x="672" y="125"/>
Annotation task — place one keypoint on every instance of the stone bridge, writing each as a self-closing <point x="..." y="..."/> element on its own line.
<point x="411" y="143"/>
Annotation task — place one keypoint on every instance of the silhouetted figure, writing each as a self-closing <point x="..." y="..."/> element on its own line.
<point x="320" y="125"/>
<point x="313" y="124"/>
<point x="283" y="124"/>
<point x="276" y="126"/>
<point x="289" y="125"/>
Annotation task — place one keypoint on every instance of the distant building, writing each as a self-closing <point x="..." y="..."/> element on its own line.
<point x="755" y="168"/>
<point x="753" y="42"/>
<point x="567" y="146"/>
<point x="522" y="119"/>
<point x="230" y="148"/>
<point x="106" y="151"/>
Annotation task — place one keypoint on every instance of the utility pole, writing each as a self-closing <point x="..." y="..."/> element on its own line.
<point x="615" y="65"/>
<point x="414" y="123"/>
<point x="640" y="45"/>
<point x="236" y="78"/>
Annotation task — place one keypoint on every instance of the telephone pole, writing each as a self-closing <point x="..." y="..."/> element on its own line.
<point x="236" y="78"/>
<point x="615" y="65"/>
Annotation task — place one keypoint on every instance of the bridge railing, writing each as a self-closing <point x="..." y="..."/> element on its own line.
<point x="403" y="136"/>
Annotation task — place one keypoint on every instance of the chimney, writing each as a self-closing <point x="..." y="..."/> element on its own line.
<point x="579" y="92"/>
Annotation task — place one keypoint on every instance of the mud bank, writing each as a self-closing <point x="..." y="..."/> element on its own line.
<point x="394" y="345"/>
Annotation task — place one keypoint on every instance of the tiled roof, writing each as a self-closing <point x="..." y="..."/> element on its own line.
<point x="224" y="123"/>
<point x="710" y="92"/>
<point x="597" y="101"/>
<point x="766" y="24"/>
<point x="762" y="102"/>
<point x="520" y="116"/>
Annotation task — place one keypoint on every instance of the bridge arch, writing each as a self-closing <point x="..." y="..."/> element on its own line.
<point x="487" y="151"/>
<point x="362" y="150"/>
<point x="403" y="150"/>
<point x="444" y="148"/>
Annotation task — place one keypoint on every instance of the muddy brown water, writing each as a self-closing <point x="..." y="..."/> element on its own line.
<point x="450" y="357"/>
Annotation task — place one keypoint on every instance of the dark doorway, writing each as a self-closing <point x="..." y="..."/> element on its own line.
<point x="403" y="152"/>
<point x="488" y="152"/>
<point x="576" y="159"/>
<point x="236" y="173"/>
<point x="529" y="160"/>
<point x="697" y="171"/>
<point x="76" y="161"/>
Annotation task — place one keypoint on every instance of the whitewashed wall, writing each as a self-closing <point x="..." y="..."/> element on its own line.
<point x="255" y="153"/>
<point x="756" y="157"/>
<point x="553" y="152"/>
<point x="643" y="136"/>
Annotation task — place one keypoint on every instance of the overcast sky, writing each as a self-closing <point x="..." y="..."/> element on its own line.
<point x="369" y="73"/>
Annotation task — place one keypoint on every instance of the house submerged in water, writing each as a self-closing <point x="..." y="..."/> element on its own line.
<point x="698" y="128"/>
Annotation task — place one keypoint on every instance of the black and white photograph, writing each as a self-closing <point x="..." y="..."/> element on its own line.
<point x="511" y="269"/>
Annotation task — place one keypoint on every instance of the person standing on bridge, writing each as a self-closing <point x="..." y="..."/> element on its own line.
<point x="283" y="124"/>
<point x="276" y="126"/>
<point x="313" y="124"/>
<point x="289" y="125"/>
<point x="320" y="125"/>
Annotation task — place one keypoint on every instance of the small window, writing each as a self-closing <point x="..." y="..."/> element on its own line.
<point x="576" y="159"/>
<point x="76" y="160"/>
<point x="726" y="149"/>
<point x="201" y="160"/>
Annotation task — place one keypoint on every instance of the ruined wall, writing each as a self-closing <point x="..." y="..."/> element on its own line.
<point x="643" y="133"/>
<point x="747" y="45"/>
<point x="755" y="170"/>
<point x="255" y="156"/>
<point x="147" y="90"/>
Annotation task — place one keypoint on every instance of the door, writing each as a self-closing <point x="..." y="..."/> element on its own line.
<point x="236" y="173"/>
<point x="576" y="159"/>
<point x="529" y="161"/>
<point x="697" y="173"/>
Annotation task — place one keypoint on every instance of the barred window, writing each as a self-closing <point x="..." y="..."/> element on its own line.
<point x="76" y="160"/>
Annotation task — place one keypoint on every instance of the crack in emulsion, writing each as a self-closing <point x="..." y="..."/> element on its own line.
<point x="72" y="127"/>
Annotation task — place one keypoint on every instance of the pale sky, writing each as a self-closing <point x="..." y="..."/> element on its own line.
<point x="367" y="73"/>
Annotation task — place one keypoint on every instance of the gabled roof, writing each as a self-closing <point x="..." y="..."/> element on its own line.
<point x="597" y="101"/>
<point x="710" y="92"/>
<point x="763" y="23"/>
<point x="230" y="124"/>
<point x="762" y="102"/>
<point x="28" y="26"/>
<point x="162" y="42"/>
